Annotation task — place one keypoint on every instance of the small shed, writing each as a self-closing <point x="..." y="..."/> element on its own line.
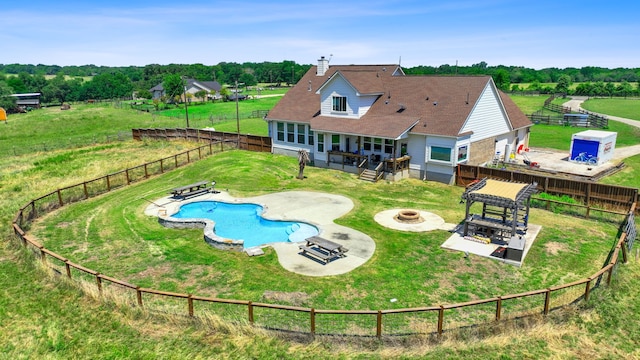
<point x="505" y="208"/>
<point x="593" y="144"/>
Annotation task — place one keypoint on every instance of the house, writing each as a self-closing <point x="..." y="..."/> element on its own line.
<point x="350" y="116"/>
<point x="192" y="87"/>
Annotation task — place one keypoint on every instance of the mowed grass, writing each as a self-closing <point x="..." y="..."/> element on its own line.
<point x="626" y="108"/>
<point x="111" y="235"/>
<point x="43" y="318"/>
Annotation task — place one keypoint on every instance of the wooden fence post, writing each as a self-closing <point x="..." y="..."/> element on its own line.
<point x="587" y="199"/>
<point x="587" y="290"/>
<point x="440" y="320"/>
<point x="108" y="184"/>
<point x="190" y="302"/>
<point x="68" y="268"/>
<point x="146" y="173"/>
<point x="498" y="308"/>
<point x="547" y="301"/>
<point x="139" y="296"/>
<point x="86" y="192"/>
<point x="161" y="167"/>
<point x="60" y="198"/>
<point x="43" y="255"/>
<point x="379" y="325"/>
<point x="312" y="314"/>
<point x="99" y="283"/>
<point x="250" y="308"/>
<point x="126" y="172"/>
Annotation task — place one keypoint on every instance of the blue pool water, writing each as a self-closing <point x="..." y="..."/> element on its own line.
<point x="245" y="222"/>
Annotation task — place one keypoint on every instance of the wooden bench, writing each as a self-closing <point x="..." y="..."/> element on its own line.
<point x="326" y="257"/>
<point x="323" y="249"/>
<point x="186" y="191"/>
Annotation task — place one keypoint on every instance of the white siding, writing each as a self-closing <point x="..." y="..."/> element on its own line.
<point x="365" y="104"/>
<point x="339" y="87"/>
<point x="487" y="118"/>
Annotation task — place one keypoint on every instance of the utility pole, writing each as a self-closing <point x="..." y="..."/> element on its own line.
<point x="186" y="108"/>
<point x="237" y="114"/>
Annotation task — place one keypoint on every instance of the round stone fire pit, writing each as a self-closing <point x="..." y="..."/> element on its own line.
<point x="409" y="216"/>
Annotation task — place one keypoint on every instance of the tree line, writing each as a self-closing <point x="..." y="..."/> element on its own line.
<point x="58" y="84"/>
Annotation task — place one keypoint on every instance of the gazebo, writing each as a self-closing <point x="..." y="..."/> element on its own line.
<point x="505" y="208"/>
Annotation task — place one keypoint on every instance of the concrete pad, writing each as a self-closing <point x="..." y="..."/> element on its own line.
<point x="318" y="209"/>
<point x="457" y="242"/>
<point x="430" y="221"/>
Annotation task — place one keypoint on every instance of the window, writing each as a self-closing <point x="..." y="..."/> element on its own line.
<point x="367" y="144"/>
<point x="335" y="142"/>
<point x="320" y="142"/>
<point x="440" y="153"/>
<point x="301" y="133"/>
<point x="388" y="146"/>
<point x="462" y="153"/>
<point x="280" y="131"/>
<point x="310" y="137"/>
<point x="339" y="103"/>
<point x="377" y="145"/>
<point x="290" y="132"/>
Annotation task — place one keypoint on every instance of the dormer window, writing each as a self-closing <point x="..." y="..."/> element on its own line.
<point x="339" y="104"/>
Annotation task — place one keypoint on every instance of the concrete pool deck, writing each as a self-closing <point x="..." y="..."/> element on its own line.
<point x="316" y="208"/>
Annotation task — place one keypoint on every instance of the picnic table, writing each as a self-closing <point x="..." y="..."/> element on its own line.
<point x="322" y="249"/>
<point x="186" y="191"/>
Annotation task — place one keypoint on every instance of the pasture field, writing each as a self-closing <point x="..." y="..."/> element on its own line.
<point x="626" y="108"/>
<point x="43" y="317"/>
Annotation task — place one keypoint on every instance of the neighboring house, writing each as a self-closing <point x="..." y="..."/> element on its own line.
<point x="377" y="112"/>
<point x="24" y="101"/>
<point x="192" y="86"/>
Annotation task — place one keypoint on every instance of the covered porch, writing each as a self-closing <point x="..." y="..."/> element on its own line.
<point x="369" y="157"/>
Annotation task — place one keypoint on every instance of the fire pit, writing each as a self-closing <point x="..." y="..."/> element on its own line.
<point x="408" y="216"/>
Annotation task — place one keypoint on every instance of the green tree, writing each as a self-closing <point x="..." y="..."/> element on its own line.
<point x="202" y="94"/>
<point x="173" y="85"/>
<point x="7" y="101"/>
<point x="501" y="78"/>
<point x="564" y="81"/>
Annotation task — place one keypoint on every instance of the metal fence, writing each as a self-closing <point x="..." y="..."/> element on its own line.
<point x="436" y="320"/>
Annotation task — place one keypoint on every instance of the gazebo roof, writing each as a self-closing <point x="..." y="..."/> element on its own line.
<point x="500" y="193"/>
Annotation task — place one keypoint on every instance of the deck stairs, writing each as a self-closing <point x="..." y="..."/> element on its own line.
<point x="369" y="175"/>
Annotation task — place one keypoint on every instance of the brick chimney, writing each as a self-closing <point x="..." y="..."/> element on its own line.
<point x="323" y="66"/>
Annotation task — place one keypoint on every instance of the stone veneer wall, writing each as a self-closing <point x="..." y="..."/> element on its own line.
<point x="482" y="151"/>
<point x="209" y="236"/>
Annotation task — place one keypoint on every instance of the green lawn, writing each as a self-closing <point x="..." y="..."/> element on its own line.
<point x="45" y="318"/>
<point x="626" y="108"/>
<point x="150" y="255"/>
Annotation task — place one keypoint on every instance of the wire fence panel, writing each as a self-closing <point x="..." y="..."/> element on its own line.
<point x="73" y="194"/>
<point x="117" y="180"/>
<point x="119" y="293"/>
<point x="409" y="323"/>
<point x="165" y="304"/>
<point x="233" y="312"/>
<point x="137" y="173"/>
<point x="515" y="307"/>
<point x="282" y="319"/>
<point x="566" y="296"/>
<point x="96" y="187"/>
<point x="466" y="317"/>
<point x="357" y="324"/>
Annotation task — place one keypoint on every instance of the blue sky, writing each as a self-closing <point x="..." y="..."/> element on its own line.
<point x="535" y="34"/>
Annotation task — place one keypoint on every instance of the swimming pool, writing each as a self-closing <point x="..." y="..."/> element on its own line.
<point x="245" y="222"/>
